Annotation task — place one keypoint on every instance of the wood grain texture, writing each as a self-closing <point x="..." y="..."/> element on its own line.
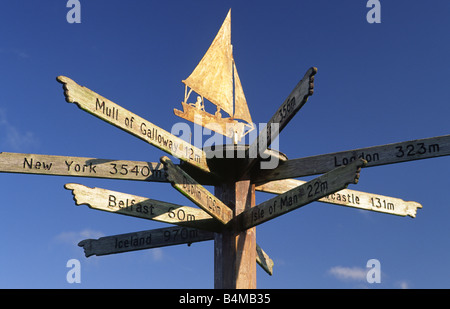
<point x="235" y="249"/>
<point x="81" y="167"/>
<point x="264" y="260"/>
<point x="141" y="207"/>
<point x="350" y="198"/>
<point x="299" y="196"/>
<point x="296" y="99"/>
<point x="377" y="155"/>
<point x="157" y="238"/>
<point x="195" y="192"/>
<point x="144" y="240"/>
<point x="118" y="116"/>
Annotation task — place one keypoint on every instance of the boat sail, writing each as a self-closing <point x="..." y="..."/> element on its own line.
<point x="215" y="78"/>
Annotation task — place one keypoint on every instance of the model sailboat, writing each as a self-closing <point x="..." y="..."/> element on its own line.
<point x="216" y="79"/>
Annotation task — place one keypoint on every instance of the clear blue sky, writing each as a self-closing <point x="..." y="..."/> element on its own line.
<point x="376" y="84"/>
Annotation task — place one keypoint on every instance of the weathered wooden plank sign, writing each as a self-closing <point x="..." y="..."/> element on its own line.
<point x="296" y="99"/>
<point x="299" y="196"/>
<point x="377" y="155"/>
<point x="81" y="167"/>
<point x="195" y="192"/>
<point x="141" y="207"/>
<point x="158" y="238"/>
<point x="118" y="116"/>
<point x="144" y="240"/>
<point x="264" y="260"/>
<point x="350" y="198"/>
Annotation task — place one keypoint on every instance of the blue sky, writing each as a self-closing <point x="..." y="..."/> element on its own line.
<point x="376" y="84"/>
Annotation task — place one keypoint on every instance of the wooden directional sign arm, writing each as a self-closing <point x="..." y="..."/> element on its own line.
<point x="158" y="238"/>
<point x="144" y="240"/>
<point x="319" y="187"/>
<point x="296" y="99"/>
<point x="264" y="260"/>
<point x="116" y="115"/>
<point x="350" y="198"/>
<point x="195" y="192"/>
<point x="376" y="155"/>
<point x="141" y="207"/>
<point x="81" y="167"/>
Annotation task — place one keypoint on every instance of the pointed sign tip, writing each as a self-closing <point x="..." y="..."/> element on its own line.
<point x="165" y="159"/>
<point x="66" y="81"/>
<point x="87" y="246"/>
<point x="69" y="186"/>
<point x="77" y="192"/>
<point x="63" y="79"/>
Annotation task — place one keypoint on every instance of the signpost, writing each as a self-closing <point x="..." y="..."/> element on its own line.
<point x="229" y="216"/>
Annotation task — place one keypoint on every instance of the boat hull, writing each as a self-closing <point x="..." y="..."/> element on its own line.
<point x="225" y="126"/>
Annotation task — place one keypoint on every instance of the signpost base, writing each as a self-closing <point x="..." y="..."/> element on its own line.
<point x="234" y="251"/>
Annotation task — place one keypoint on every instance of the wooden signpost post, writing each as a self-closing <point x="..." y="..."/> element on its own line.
<point x="228" y="216"/>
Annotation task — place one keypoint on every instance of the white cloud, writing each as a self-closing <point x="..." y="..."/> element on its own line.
<point x="16" y="52"/>
<point x="73" y="238"/>
<point x="157" y="254"/>
<point x="349" y="273"/>
<point x="403" y="285"/>
<point x="12" y="138"/>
